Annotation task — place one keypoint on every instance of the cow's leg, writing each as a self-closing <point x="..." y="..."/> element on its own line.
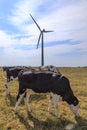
<point x="26" y="100"/>
<point x="50" y="102"/>
<point x="19" y="97"/>
<point x="8" y="88"/>
<point x="56" y="98"/>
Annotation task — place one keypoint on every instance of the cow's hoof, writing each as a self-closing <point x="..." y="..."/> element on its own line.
<point x="15" y="112"/>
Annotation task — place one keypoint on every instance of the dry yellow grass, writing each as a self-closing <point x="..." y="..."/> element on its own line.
<point x="39" y="118"/>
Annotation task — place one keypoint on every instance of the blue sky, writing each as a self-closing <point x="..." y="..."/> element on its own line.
<point x="66" y="46"/>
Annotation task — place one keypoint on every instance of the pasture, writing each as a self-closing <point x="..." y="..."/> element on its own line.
<point x="39" y="118"/>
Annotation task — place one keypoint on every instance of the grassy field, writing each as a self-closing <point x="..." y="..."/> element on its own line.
<point x="39" y="118"/>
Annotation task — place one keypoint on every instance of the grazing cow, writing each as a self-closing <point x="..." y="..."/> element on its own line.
<point x="42" y="82"/>
<point x="12" y="73"/>
<point x="49" y="68"/>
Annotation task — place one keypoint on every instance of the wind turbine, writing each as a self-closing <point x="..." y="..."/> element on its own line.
<point x="41" y="36"/>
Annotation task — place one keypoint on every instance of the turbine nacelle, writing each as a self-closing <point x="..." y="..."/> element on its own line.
<point x="46" y="31"/>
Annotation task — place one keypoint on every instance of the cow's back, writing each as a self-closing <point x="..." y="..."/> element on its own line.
<point x="38" y="81"/>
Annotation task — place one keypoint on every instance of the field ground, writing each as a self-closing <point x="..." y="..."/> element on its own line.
<point x="39" y="118"/>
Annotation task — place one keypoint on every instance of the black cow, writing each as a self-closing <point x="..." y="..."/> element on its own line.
<point x="42" y="82"/>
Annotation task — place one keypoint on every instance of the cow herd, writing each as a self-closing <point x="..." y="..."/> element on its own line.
<point x="42" y="80"/>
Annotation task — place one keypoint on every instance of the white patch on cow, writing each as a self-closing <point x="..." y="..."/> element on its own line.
<point x="75" y="109"/>
<point x="18" y="102"/>
<point x="54" y="75"/>
<point x="54" y="101"/>
<point x="11" y="77"/>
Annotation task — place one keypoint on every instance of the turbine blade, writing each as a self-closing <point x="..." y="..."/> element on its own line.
<point x="39" y="40"/>
<point x="47" y="31"/>
<point x="35" y="22"/>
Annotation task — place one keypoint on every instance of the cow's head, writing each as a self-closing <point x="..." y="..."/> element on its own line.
<point x="75" y="106"/>
<point x="52" y="68"/>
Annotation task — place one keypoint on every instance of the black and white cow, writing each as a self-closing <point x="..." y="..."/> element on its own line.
<point x="43" y="82"/>
<point x="5" y="68"/>
<point x="49" y="68"/>
<point x="12" y="73"/>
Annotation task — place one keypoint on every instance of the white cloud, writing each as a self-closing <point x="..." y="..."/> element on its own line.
<point x="67" y="22"/>
<point x="22" y="10"/>
<point x="5" y="39"/>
